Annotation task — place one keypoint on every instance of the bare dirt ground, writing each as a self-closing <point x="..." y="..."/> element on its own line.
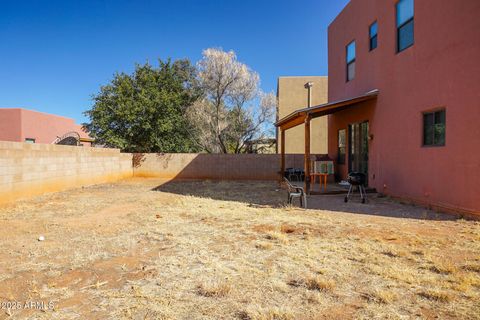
<point x="140" y="249"/>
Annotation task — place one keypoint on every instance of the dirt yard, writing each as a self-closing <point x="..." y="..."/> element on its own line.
<point x="140" y="249"/>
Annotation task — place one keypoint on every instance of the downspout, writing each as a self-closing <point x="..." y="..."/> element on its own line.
<point x="309" y="86"/>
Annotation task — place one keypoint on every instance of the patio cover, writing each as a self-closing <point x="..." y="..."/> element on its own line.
<point x="298" y="117"/>
<point x="303" y="116"/>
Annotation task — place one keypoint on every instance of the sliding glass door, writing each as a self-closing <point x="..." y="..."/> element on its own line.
<point x="358" y="148"/>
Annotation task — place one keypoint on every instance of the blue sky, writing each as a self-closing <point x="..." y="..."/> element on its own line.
<point x="56" y="54"/>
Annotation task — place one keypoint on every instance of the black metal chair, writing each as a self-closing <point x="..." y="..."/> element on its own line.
<point x="296" y="192"/>
<point x="294" y="174"/>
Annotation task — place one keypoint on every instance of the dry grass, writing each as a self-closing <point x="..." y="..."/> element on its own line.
<point x="214" y="289"/>
<point x="384" y="296"/>
<point x="444" y="267"/>
<point x="436" y="295"/>
<point x="259" y="313"/>
<point x="313" y="283"/>
<point x="208" y="250"/>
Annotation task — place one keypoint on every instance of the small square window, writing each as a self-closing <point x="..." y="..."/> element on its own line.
<point x="434" y="125"/>
<point x="29" y="140"/>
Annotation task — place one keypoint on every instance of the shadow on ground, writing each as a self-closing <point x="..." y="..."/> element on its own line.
<point x="255" y="193"/>
<point x="268" y="193"/>
<point x="375" y="206"/>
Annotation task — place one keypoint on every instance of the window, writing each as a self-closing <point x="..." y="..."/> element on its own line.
<point x="342" y="146"/>
<point x="29" y="140"/>
<point x="434" y="128"/>
<point x="351" y="61"/>
<point x="373" y="35"/>
<point x="404" y="24"/>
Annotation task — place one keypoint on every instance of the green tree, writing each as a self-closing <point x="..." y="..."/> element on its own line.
<point x="145" y="111"/>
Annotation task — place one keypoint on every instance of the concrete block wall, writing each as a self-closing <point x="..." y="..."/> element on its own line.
<point x="28" y="170"/>
<point x="213" y="166"/>
<point x="32" y="169"/>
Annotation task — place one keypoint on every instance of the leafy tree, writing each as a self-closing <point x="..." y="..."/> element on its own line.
<point x="146" y="111"/>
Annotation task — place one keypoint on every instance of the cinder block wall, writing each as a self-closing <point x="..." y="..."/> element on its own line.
<point x="27" y="170"/>
<point x="31" y="169"/>
<point x="213" y="166"/>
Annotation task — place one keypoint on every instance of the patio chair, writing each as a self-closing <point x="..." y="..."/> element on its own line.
<point x="296" y="192"/>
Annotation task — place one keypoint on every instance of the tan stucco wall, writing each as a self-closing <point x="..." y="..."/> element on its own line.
<point x="292" y="95"/>
<point x="31" y="169"/>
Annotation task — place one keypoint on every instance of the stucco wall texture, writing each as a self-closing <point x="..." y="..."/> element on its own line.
<point x="27" y="170"/>
<point x="17" y="124"/>
<point x="441" y="70"/>
<point x="292" y="95"/>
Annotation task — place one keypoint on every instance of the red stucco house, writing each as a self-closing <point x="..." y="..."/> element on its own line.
<point x="404" y="99"/>
<point x="21" y="125"/>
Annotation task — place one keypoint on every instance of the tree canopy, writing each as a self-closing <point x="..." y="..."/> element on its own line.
<point x="215" y="106"/>
<point x="145" y="111"/>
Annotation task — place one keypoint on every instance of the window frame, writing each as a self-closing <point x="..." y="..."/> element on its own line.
<point x="433" y="112"/>
<point x="353" y="61"/>
<point x="343" y="160"/>
<point x="370" y="37"/>
<point x="398" y="27"/>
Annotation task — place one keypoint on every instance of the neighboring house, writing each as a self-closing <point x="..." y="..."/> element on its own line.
<point x="21" y="125"/>
<point x="292" y="94"/>
<point x="404" y="92"/>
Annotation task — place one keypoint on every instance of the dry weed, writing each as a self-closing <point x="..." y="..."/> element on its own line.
<point x="384" y="296"/>
<point x="436" y="295"/>
<point x="318" y="283"/>
<point x="214" y="289"/>
<point x="472" y="266"/>
<point x="259" y="313"/>
<point x="264" y="245"/>
<point x="444" y="267"/>
<point x="277" y="236"/>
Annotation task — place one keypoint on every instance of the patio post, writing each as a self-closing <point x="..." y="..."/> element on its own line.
<point x="282" y="146"/>
<point x="307" y="154"/>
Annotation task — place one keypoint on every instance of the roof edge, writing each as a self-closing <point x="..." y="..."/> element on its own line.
<point x="370" y="94"/>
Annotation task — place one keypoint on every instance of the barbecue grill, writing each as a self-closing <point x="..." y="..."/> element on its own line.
<point x="357" y="181"/>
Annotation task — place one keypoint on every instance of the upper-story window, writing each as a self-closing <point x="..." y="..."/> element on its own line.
<point x="29" y="140"/>
<point x="351" y="61"/>
<point x="373" y="35"/>
<point x="404" y="24"/>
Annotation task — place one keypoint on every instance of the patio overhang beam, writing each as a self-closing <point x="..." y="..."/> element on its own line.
<point x="298" y="117"/>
